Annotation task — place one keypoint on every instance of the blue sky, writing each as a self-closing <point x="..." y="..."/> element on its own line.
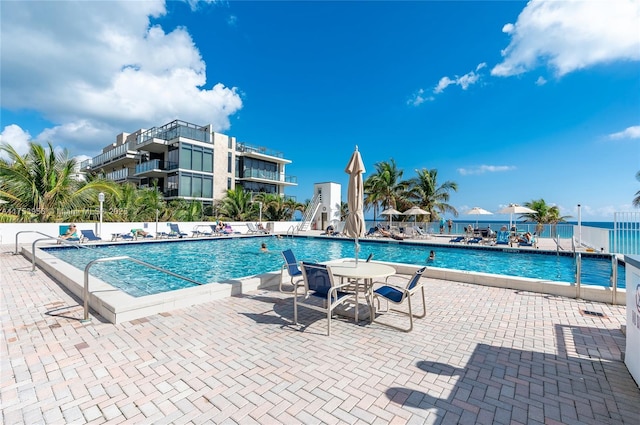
<point x="513" y="101"/>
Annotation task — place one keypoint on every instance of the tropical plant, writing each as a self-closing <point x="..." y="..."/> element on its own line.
<point x="43" y="186"/>
<point x="236" y="205"/>
<point x="425" y="192"/>
<point x="544" y="214"/>
<point x="385" y="187"/>
<point x="636" y="200"/>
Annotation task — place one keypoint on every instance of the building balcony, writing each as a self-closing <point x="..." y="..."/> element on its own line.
<point x="116" y="157"/>
<point x="261" y="152"/>
<point x="156" y="138"/>
<point x="121" y="175"/>
<point x="155" y="168"/>
<point x="264" y="176"/>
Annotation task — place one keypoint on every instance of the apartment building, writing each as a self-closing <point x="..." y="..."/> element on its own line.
<point x="191" y="162"/>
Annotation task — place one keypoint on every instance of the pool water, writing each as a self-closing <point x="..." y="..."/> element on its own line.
<point x="215" y="260"/>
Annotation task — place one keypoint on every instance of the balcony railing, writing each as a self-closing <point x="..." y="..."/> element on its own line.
<point x="118" y="175"/>
<point x="267" y="175"/>
<point x="155" y="164"/>
<point x="174" y="130"/>
<point x="243" y="147"/>
<point x="118" y="152"/>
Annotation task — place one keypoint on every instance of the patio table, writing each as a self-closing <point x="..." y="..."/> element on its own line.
<point x="363" y="273"/>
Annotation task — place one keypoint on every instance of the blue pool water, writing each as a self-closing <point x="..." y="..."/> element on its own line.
<point x="215" y="260"/>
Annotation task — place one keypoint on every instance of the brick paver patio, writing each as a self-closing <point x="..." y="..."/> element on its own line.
<point x="482" y="355"/>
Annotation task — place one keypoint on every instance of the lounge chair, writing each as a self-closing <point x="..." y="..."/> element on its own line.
<point x="398" y="294"/>
<point x="63" y="231"/>
<point x="503" y="237"/>
<point x="457" y="239"/>
<point x="175" y="231"/>
<point x="202" y="230"/>
<point x="254" y="230"/>
<point x="532" y="242"/>
<point x="89" y="236"/>
<point x="421" y="233"/>
<point x="477" y="239"/>
<point x="318" y="283"/>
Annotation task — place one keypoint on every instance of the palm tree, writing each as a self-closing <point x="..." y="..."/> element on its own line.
<point x="43" y="184"/>
<point x="426" y="193"/>
<point x="636" y="200"/>
<point x="236" y="205"/>
<point x="544" y="214"/>
<point x="385" y="187"/>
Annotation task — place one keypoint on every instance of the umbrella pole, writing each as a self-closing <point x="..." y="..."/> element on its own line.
<point x="357" y="250"/>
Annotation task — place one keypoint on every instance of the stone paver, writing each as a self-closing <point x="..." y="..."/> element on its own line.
<point x="482" y="355"/>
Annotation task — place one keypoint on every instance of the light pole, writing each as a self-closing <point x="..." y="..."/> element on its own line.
<point x="260" y="216"/>
<point x="101" y="199"/>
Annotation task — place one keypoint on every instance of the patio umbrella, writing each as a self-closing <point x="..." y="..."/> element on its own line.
<point x="414" y="211"/>
<point x="478" y="211"/>
<point x="515" y="209"/>
<point x="390" y="212"/>
<point x="355" y="226"/>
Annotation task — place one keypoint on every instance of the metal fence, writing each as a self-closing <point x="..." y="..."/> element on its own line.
<point x="625" y="236"/>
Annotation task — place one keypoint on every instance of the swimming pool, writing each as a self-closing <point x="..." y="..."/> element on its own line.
<point x="216" y="260"/>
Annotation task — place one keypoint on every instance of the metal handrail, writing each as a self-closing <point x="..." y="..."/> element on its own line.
<point x="85" y="293"/>
<point x="30" y="231"/>
<point x="50" y="238"/>
<point x="614" y="278"/>
<point x="578" y="273"/>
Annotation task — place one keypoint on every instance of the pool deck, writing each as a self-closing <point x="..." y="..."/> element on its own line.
<point x="482" y="355"/>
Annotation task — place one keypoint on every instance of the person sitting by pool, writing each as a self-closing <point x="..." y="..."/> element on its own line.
<point x="526" y="238"/>
<point x="71" y="233"/>
<point x="432" y="256"/>
<point x="139" y="232"/>
<point x="330" y="230"/>
<point x="388" y="234"/>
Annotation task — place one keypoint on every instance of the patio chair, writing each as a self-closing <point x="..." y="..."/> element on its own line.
<point x="319" y="284"/>
<point x="457" y="239"/>
<point x="175" y="231"/>
<point x="396" y="294"/>
<point x="89" y="236"/>
<point x="421" y="233"/>
<point x="291" y="265"/>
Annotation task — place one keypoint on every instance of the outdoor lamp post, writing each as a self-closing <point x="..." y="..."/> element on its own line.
<point x="101" y="199"/>
<point x="260" y="216"/>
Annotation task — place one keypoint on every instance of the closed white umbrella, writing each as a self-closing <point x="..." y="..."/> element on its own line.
<point x="390" y="212"/>
<point x="414" y="211"/>
<point x="354" y="226"/>
<point x="478" y="211"/>
<point x="515" y="209"/>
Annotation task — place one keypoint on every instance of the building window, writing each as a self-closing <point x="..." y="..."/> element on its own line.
<point x="229" y="183"/>
<point x="196" y="158"/>
<point x="229" y="162"/>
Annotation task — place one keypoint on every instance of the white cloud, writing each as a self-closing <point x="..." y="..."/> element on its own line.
<point x="99" y="68"/>
<point x="570" y="35"/>
<point x="16" y="137"/>
<point x="541" y="81"/>
<point x="419" y="98"/>
<point x="481" y="169"/>
<point x="464" y="81"/>
<point x="628" y="133"/>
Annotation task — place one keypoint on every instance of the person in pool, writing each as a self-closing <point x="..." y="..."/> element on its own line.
<point x="263" y="247"/>
<point x="432" y="256"/>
